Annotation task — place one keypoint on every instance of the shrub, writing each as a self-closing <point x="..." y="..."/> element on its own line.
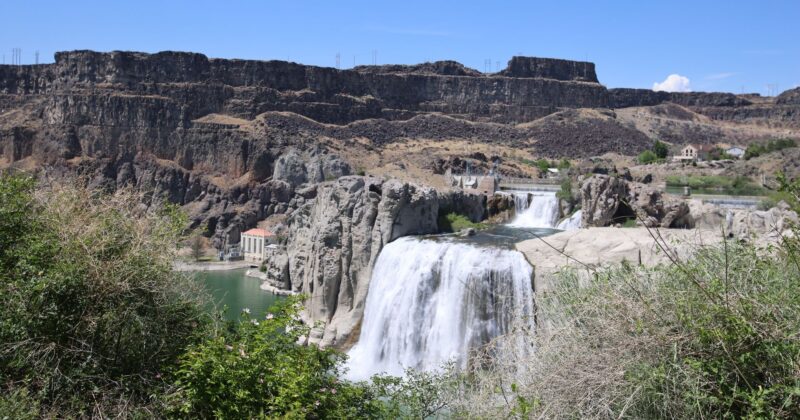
<point x="757" y="149"/>
<point x="564" y="164"/>
<point x="565" y="193"/>
<point x="543" y="165"/>
<point x="260" y="371"/>
<point x="92" y="310"/>
<point x="713" y="337"/>
<point x="647" y="157"/>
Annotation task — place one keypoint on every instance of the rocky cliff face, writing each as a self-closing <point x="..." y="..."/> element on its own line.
<point x="608" y="200"/>
<point x="336" y="235"/>
<point x="231" y="140"/>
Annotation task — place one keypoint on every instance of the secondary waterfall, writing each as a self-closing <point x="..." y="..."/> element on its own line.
<point x="571" y="223"/>
<point x="431" y="301"/>
<point x="541" y="211"/>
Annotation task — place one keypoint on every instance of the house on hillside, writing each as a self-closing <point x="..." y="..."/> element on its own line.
<point x="692" y="152"/>
<point x="255" y="242"/>
<point x="735" y="151"/>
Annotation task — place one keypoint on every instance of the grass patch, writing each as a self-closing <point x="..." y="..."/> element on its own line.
<point x="454" y="222"/>
<point x="739" y="185"/>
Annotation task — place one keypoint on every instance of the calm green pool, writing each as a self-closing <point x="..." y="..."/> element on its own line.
<point x="233" y="289"/>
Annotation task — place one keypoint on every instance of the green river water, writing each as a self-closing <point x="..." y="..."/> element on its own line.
<point x="233" y="289"/>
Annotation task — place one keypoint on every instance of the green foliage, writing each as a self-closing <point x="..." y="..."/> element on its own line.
<point x="361" y="171"/>
<point x="417" y="395"/>
<point x="738" y="185"/>
<point x="660" y="149"/>
<point x="454" y="222"/>
<point x="758" y="149"/>
<point x="17" y="404"/>
<point x="648" y="156"/>
<point x="629" y="223"/>
<point x="564" y="164"/>
<point x="259" y="371"/>
<point x="92" y="310"/>
<point x="543" y="165"/>
<point x="565" y="193"/>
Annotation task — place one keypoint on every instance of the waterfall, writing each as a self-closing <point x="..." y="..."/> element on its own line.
<point x="542" y="212"/>
<point x="432" y="301"/>
<point x="571" y="223"/>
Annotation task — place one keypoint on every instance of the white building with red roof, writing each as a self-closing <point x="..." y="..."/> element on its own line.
<point x="255" y="242"/>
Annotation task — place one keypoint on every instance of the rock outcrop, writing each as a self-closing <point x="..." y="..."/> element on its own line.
<point x="608" y="200"/>
<point x="334" y="240"/>
<point x="743" y="223"/>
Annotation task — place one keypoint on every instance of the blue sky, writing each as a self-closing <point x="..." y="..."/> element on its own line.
<point x="717" y="45"/>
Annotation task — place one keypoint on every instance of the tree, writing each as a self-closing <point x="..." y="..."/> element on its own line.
<point x="660" y="149"/>
<point x="197" y="247"/>
<point x="261" y="372"/>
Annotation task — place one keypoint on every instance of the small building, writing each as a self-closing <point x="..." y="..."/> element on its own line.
<point x="735" y="151"/>
<point x="255" y="242"/>
<point x="695" y="152"/>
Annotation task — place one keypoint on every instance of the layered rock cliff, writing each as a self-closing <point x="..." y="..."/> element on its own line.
<point x="336" y="235"/>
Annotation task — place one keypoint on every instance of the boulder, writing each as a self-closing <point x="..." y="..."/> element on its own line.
<point x="602" y="200"/>
<point x="608" y="200"/>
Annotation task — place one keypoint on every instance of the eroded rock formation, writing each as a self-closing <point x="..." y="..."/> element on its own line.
<point x="334" y="239"/>
<point x="609" y="200"/>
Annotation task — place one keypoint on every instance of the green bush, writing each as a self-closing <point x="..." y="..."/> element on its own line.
<point x="92" y="309"/>
<point x="758" y="149"/>
<point x="647" y="157"/>
<point x="260" y="371"/>
<point x="565" y="193"/>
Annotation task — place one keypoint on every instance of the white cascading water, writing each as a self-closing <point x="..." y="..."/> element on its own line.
<point x="430" y="302"/>
<point x="542" y="212"/>
<point x="571" y="223"/>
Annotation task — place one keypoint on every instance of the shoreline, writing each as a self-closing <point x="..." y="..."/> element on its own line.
<point x="255" y="273"/>
<point x="210" y="266"/>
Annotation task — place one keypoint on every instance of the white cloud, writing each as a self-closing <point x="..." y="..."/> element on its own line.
<point x="673" y="83"/>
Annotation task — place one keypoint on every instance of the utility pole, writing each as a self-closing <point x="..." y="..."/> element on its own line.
<point x="338" y="61"/>
<point x="487" y="65"/>
<point x="36" y="54"/>
<point x="374" y="57"/>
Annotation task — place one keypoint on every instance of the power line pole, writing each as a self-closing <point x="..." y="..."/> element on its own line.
<point x="374" y="57"/>
<point x="487" y="65"/>
<point x="36" y="54"/>
<point x="338" y="61"/>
